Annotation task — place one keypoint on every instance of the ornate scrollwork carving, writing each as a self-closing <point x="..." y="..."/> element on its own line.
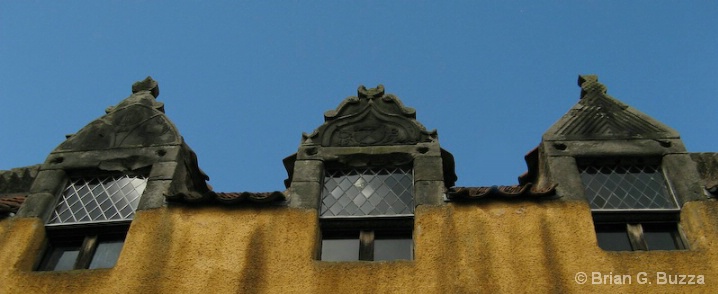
<point x="372" y="118"/>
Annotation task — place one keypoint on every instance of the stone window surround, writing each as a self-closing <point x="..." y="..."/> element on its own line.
<point x="160" y="166"/>
<point x="55" y="174"/>
<point x="307" y="179"/>
<point x="57" y="171"/>
<point x="560" y="161"/>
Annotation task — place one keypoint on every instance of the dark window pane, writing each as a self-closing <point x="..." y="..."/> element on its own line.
<point x="60" y="258"/>
<point x="613" y="237"/>
<point x="393" y="249"/>
<point x="340" y="249"/>
<point x="106" y="254"/>
<point x="67" y="260"/>
<point x="662" y="237"/>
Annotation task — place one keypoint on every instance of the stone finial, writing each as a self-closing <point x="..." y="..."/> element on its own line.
<point x="590" y="84"/>
<point x="370" y="93"/>
<point x="148" y="84"/>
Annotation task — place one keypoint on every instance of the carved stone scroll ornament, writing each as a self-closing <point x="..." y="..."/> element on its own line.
<point x="372" y="118"/>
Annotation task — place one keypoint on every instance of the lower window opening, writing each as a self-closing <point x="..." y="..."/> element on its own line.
<point x="639" y="236"/>
<point x="83" y="248"/>
<point x="367" y="240"/>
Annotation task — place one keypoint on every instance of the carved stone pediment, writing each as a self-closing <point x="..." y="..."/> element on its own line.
<point x="371" y="118"/>
<point x="598" y="116"/>
<point x="136" y="134"/>
<point x="137" y="121"/>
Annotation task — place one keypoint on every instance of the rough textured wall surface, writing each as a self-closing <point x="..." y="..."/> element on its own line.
<point x="460" y="248"/>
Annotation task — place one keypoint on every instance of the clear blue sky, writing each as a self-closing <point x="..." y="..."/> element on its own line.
<point x="243" y="80"/>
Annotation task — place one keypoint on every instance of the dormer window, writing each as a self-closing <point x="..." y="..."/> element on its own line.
<point x="367" y="214"/>
<point x="632" y="204"/>
<point x="88" y="225"/>
<point x="359" y="170"/>
<point x="90" y="185"/>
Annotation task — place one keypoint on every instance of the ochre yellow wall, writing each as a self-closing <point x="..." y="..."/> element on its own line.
<point x="460" y="248"/>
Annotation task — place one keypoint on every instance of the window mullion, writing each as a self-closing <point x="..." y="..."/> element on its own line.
<point x="87" y="251"/>
<point x="635" y="235"/>
<point x="366" y="245"/>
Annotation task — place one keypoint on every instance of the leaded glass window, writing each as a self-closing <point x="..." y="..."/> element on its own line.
<point x="112" y="198"/>
<point x="368" y="192"/>
<point x="367" y="214"/>
<point x="633" y="186"/>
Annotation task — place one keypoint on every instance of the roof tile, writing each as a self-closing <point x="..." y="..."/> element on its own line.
<point x="516" y="191"/>
<point x="10" y="203"/>
<point x="254" y="197"/>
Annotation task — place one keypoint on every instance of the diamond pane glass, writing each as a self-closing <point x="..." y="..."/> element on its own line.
<point x="99" y="199"/>
<point x="362" y="192"/>
<point x="626" y="187"/>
